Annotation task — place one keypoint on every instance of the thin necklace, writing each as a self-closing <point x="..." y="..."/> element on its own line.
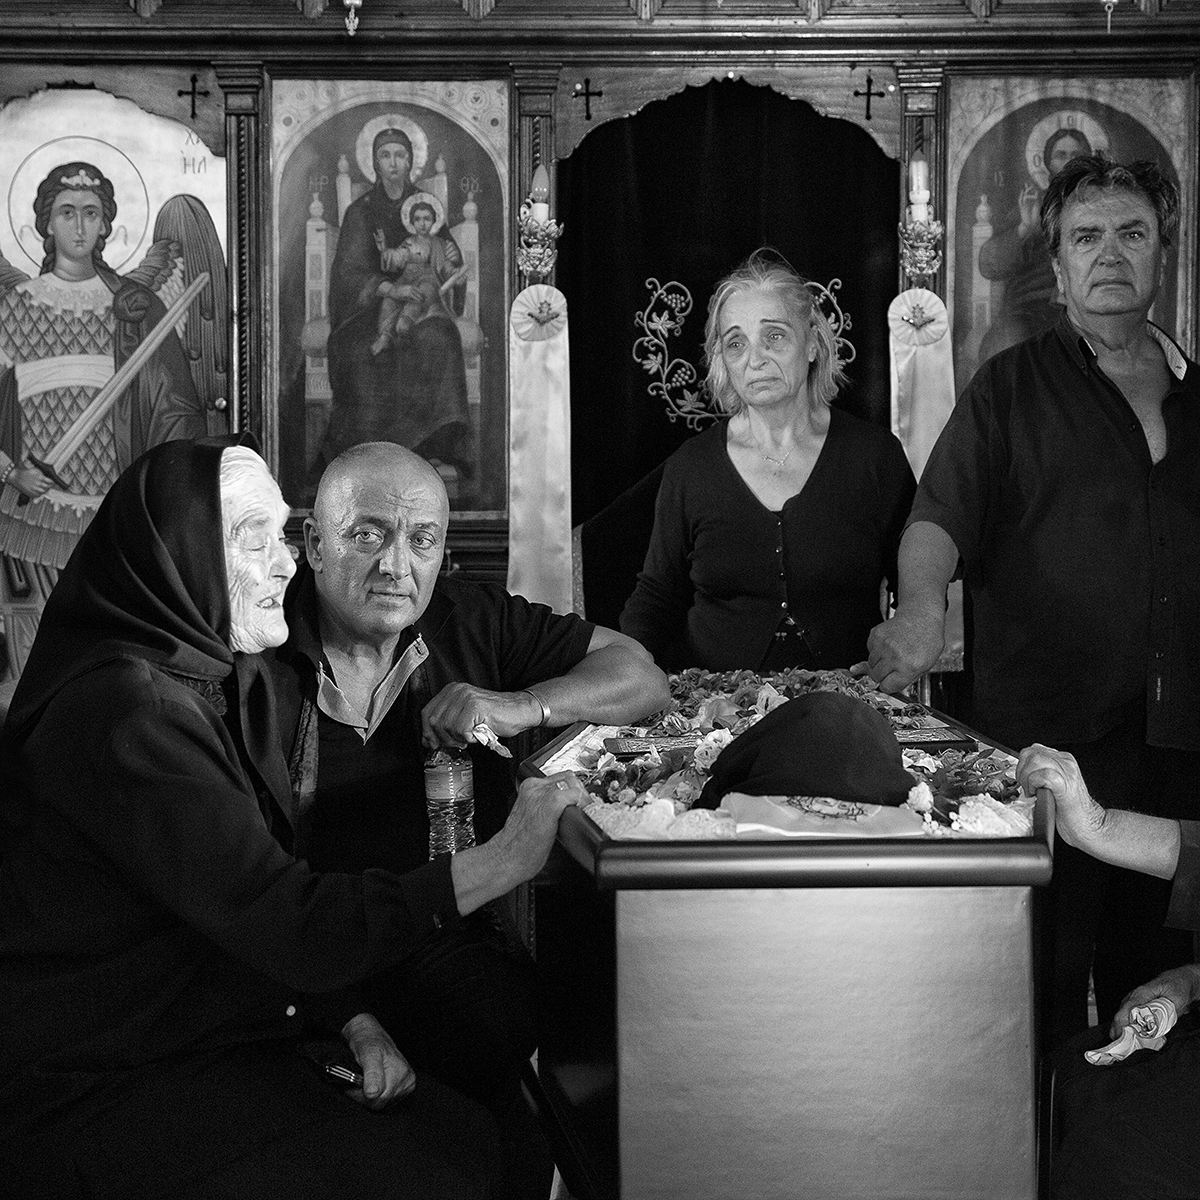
<point x="777" y="462"/>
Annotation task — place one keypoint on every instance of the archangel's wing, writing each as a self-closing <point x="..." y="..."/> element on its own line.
<point x="185" y="244"/>
<point x="10" y="276"/>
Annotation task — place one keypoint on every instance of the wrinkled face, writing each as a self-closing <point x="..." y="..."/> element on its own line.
<point x="376" y="551"/>
<point x="392" y="163"/>
<point x="258" y="562"/>
<point x="1109" y="260"/>
<point x="76" y="222"/>
<point x="766" y="354"/>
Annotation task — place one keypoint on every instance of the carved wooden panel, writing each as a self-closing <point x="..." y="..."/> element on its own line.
<point x="593" y="19"/>
<point x="911" y="10"/>
<point x="590" y="95"/>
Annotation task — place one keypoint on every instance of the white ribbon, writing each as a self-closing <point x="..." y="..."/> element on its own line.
<point x="922" y="369"/>
<point x="539" y="490"/>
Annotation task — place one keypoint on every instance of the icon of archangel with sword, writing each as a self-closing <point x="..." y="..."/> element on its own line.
<point x="95" y="368"/>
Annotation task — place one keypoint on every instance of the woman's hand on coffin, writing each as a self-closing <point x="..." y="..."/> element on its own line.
<point x="1078" y="817"/>
<point x="519" y="851"/>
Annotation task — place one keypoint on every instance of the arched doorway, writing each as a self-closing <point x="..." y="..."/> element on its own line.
<point x="682" y="191"/>
<point x="679" y="193"/>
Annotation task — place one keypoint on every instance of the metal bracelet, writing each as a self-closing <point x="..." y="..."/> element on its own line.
<point x="544" y="706"/>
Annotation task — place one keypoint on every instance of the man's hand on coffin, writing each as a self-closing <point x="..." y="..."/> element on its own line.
<point x="903" y="648"/>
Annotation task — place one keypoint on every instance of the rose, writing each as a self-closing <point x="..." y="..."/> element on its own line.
<point x="710" y="747"/>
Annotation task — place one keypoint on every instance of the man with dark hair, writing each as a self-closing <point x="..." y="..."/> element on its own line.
<point x="1067" y="483"/>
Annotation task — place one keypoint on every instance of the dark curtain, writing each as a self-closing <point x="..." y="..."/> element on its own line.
<point x="683" y="191"/>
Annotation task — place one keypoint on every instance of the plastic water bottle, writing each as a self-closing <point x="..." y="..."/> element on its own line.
<point x="450" y="801"/>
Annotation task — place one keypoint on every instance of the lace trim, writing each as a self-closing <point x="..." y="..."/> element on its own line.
<point x="64" y="296"/>
<point x="207" y="689"/>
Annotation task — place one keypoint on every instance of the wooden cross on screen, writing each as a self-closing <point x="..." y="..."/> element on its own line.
<point x="194" y="94"/>
<point x="868" y="93"/>
<point x="584" y="92"/>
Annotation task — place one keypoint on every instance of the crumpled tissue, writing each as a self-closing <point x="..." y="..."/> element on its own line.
<point x="1147" y="1030"/>
<point x="485" y="736"/>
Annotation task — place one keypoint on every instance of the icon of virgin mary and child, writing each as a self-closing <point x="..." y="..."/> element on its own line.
<point x="396" y="366"/>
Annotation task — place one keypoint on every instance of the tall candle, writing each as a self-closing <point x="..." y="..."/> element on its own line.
<point x="918" y="175"/>
<point x="918" y="188"/>
<point x="539" y="194"/>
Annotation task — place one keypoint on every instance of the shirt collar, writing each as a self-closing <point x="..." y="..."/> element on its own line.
<point x="1082" y="351"/>
<point x="332" y="702"/>
<point x="304" y="638"/>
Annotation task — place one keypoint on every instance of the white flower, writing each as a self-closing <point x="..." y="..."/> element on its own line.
<point x="714" y="709"/>
<point x="710" y="747"/>
<point x="920" y="798"/>
<point x="768" y="699"/>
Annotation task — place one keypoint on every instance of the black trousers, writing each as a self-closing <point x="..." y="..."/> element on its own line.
<point x="254" y="1122"/>
<point x="1129" y="1131"/>
<point x="1102" y="920"/>
<point x="463" y="1009"/>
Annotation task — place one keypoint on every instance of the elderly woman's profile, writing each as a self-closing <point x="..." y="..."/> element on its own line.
<point x="164" y="959"/>
<point x="775" y="529"/>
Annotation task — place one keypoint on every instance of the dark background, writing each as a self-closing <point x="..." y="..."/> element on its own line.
<point x="683" y="191"/>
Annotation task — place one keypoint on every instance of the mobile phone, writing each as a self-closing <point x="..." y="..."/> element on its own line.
<point x="339" y="1074"/>
<point x="333" y="1059"/>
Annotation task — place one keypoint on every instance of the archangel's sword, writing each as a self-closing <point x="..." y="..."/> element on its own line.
<point x="111" y="392"/>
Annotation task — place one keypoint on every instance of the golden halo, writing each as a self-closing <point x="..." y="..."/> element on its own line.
<point x="1073" y="119"/>
<point x="376" y="125"/>
<point x="133" y="204"/>
<point x="439" y="213"/>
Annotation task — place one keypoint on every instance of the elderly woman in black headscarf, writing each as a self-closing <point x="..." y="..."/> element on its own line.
<point x="162" y="957"/>
<point x="774" y="530"/>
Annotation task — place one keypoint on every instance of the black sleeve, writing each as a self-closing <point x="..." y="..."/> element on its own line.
<point x="656" y="614"/>
<point x="958" y="484"/>
<point x="537" y="643"/>
<point x="897" y="488"/>
<point x="1184" y="912"/>
<point x="168" y="807"/>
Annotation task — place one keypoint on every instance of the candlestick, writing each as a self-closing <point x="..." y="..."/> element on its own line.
<point x="537" y="232"/>
<point x="918" y="209"/>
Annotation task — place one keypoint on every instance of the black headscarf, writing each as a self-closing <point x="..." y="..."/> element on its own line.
<point x="147" y="580"/>
<point x="819" y="744"/>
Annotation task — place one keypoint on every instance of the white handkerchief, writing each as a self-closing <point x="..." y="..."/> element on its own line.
<point x="1147" y="1030"/>
<point x="485" y="737"/>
